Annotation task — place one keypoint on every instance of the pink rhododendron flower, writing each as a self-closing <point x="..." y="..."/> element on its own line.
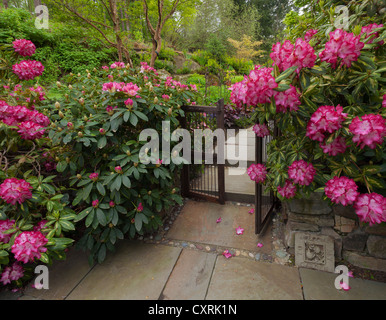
<point x="129" y="102"/>
<point x="227" y="254"/>
<point x="341" y="190"/>
<point x="146" y="68"/>
<point x="24" y="47"/>
<point x="95" y="203"/>
<point x="28" y="69"/>
<point x="110" y="110"/>
<point x="29" y="245"/>
<point x="257" y="172"/>
<point x="342" y="45"/>
<point x="239" y="230"/>
<point x="14" y="190"/>
<point x="29" y="130"/>
<point x="140" y="207"/>
<point x="289" y="99"/>
<point x="255" y="89"/>
<point x="325" y="119"/>
<point x="350" y="274"/>
<point x="372" y="35"/>
<point x="40" y="225"/>
<point x="301" y="172"/>
<point x="288" y="191"/>
<point x="117" y="65"/>
<point x="261" y="130"/>
<point x="287" y="55"/>
<point x="309" y="34"/>
<point x="369" y="131"/>
<point x="165" y="97"/>
<point x="218" y="220"/>
<point x="4" y="226"/>
<point x="12" y="273"/>
<point x="335" y="147"/>
<point x="94" y="176"/>
<point x="371" y="208"/>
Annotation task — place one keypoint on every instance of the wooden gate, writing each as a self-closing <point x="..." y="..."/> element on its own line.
<point x="207" y="180"/>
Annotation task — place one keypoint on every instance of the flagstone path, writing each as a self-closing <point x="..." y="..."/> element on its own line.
<point x="186" y="263"/>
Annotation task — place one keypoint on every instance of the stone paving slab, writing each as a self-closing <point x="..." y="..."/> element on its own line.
<point x="242" y="279"/>
<point x="197" y="222"/>
<point x="319" y="285"/>
<point x="190" y="277"/>
<point x="136" y="271"/>
<point x="63" y="277"/>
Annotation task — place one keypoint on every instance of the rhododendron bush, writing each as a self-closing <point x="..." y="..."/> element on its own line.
<point x="97" y="125"/>
<point x="324" y="89"/>
<point x="34" y="216"/>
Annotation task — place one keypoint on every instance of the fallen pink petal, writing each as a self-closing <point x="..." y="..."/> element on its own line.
<point x="252" y="211"/>
<point x="259" y="245"/>
<point x="350" y="274"/>
<point x="227" y="254"/>
<point x="239" y="230"/>
<point x="218" y="220"/>
<point x="345" y="286"/>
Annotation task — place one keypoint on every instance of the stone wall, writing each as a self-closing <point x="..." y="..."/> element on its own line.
<point x="356" y="242"/>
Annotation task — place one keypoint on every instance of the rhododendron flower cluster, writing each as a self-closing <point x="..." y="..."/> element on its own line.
<point x="309" y="34"/>
<point x="24" y="47"/>
<point x="288" y="191"/>
<point x="30" y="130"/>
<point x="325" y="119"/>
<point x="341" y="190"/>
<point x="29" y="245"/>
<point x="4" y="226"/>
<point x="255" y="89"/>
<point x="342" y="45"/>
<point x="257" y="172"/>
<point x="28" y="69"/>
<point x="118" y="65"/>
<point x="338" y="145"/>
<point x="372" y="35"/>
<point x="12" y="273"/>
<point x="261" y="130"/>
<point x="289" y="99"/>
<point x="14" y="190"/>
<point x="287" y="55"/>
<point x="146" y="68"/>
<point x="371" y="208"/>
<point x="301" y="172"/>
<point x="173" y="84"/>
<point x="129" y="88"/>
<point x="30" y="123"/>
<point x="369" y="131"/>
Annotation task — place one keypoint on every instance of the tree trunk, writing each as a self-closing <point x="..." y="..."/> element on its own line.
<point x="5" y="4"/>
<point x="157" y="42"/>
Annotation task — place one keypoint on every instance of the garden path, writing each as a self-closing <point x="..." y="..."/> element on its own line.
<point x="185" y="263"/>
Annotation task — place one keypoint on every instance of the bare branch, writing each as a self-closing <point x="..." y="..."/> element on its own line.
<point x="174" y="7"/>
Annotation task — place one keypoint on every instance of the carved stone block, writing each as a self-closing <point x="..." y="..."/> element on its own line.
<point x="314" y="251"/>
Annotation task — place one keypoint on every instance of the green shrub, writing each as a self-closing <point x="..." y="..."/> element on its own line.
<point x="97" y="130"/>
<point x="196" y="79"/>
